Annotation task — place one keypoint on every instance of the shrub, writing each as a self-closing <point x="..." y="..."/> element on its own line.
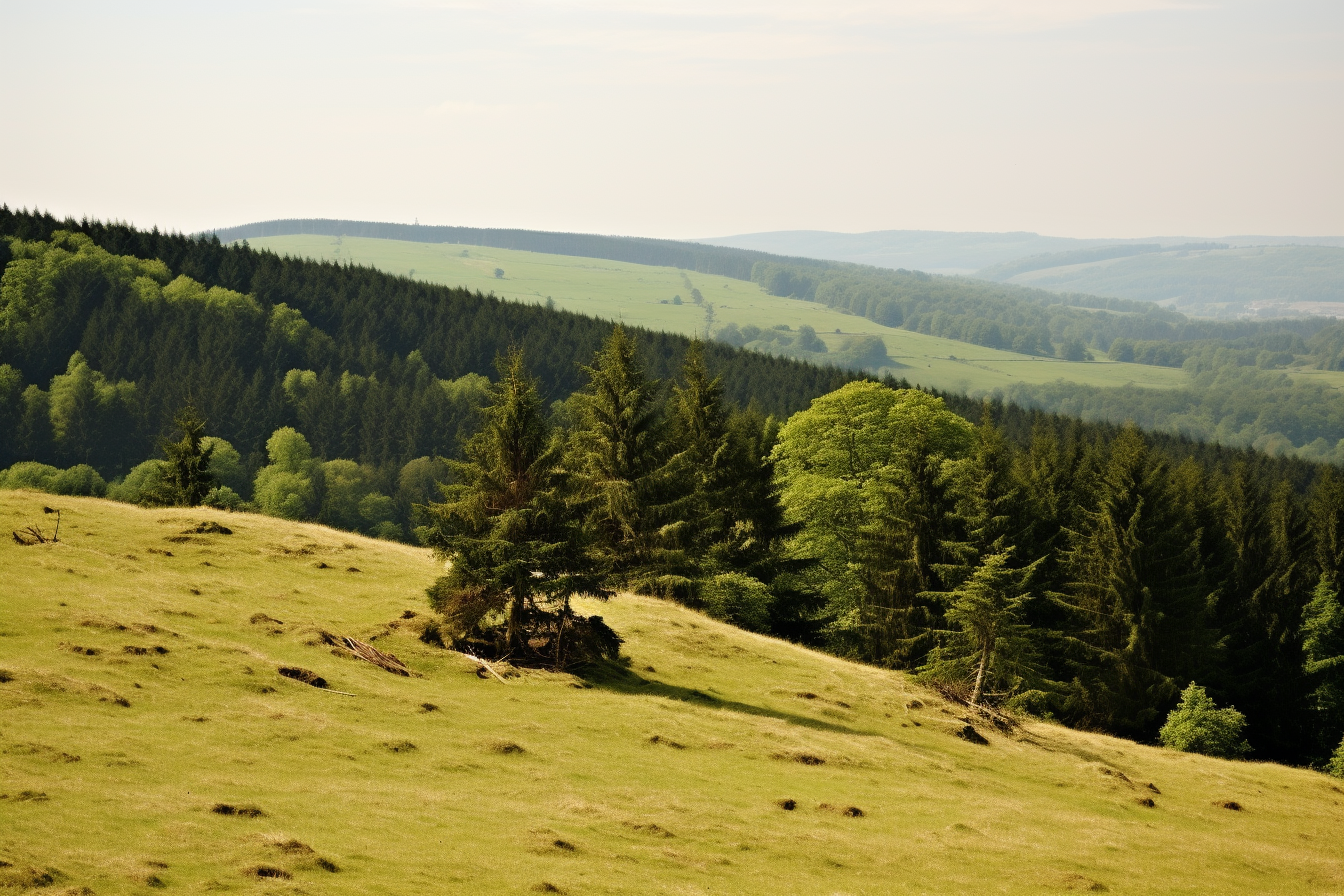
<point x="142" y="484"/>
<point x="29" y="474"/>
<point x="1336" y="764"/>
<point x="81" y="479"/>
<point x="739" y="599"/>
<point x="1196" y="725"/>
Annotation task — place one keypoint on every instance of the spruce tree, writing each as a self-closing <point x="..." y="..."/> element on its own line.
<point x="1137" y="592"/>
<point x="623" y="485"/>
<point x="187" y="478"/>
<point x="516" y="555"/>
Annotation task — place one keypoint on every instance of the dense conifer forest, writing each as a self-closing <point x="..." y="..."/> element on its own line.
<point x="1085" y="571"/>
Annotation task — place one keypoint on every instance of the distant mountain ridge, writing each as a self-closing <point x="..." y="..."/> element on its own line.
<point x="952" y="252"/>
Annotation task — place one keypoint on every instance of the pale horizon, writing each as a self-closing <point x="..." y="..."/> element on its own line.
<point x="1113" y="119"/>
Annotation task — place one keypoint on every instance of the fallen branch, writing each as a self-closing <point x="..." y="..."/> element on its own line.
<point x="489" y="668"/>
<point x="369" y="654"/>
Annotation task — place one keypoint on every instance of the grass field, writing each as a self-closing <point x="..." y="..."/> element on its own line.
<point x="140" y="692"/>
<point x="636" y="293"/>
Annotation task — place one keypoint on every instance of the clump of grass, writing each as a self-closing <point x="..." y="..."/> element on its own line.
<point x="400" y="746"/>
<point x="428" y="707"/>
<point x="307" y="676"/>
<point x="505" y="748"/>
<point x="1229" y="804"/>
<point x="6" y="676"/>
<point x="788" y="805"/>
<point x="327" y="865"/>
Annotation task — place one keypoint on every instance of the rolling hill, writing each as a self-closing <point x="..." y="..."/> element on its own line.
<point x="149" y="740"/>
<point x="643" y="295"/>
<point x="951" y="252"/>
<point x="1216" y="281"/>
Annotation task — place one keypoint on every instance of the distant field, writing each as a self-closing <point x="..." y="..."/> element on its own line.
<point x="635" y="294"/>
<point x="148" y="742"/>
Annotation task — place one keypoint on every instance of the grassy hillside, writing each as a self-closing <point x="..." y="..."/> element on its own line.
<point x="140" y="692"/>
<point x="636" y="293"/>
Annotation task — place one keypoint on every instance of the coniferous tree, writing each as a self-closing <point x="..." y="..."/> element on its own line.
<point x="625" y="491"/>
<point x="517" y="555"/>
<point x="991" y="647"/>
<point x="186" y="474"/>
<point x="1136" y="591"/>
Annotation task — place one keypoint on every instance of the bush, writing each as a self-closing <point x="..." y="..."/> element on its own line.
<point x="1196" y="725"/>
<point x="739" y="599"/>
<point x="81" y="479"/>
<point x="29" y="474"/>
<point x="145" y="483"/>
<point x="224" y="498"/>
<point x="1336" y="764"/>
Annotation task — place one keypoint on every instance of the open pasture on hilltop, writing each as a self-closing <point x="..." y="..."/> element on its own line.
<point x="149" y="739"/>
<point x="636" y="295"/>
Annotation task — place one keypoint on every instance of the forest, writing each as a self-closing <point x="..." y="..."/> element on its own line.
<point x="1082" y="571"/>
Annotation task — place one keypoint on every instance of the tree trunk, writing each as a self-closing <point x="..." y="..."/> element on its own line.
<point x="514" y="633"/>
<point x="980" y="674"/>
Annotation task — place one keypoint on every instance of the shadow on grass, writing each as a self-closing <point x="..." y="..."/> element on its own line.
<point x="618" y="679"/>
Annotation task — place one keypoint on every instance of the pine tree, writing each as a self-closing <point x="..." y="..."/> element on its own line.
<point x="516" y="554"/>
<point x="1323" y="651"/>
<point x="991" y="646"/>
<point x="623" y="484"/>
<point x="187" y="477"/>
<point x="1137" y="592"/>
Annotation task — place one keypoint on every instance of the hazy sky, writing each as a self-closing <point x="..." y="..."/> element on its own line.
<point x="684" y="119"/>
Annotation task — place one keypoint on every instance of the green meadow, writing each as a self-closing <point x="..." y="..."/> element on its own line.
<point x="148" y="741"/>
<point x="642" y="295"/>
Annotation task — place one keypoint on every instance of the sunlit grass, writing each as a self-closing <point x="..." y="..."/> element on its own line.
<point x="663" y="776"/>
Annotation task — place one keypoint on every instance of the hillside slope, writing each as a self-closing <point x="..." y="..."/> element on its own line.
<point x="140" y="692"/>
<point x="641" y="295"/>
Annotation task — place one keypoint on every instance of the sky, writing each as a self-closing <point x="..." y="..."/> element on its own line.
<point x="695" y="118"/>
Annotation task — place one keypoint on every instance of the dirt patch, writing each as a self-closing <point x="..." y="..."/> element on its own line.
<point x="428" y="707"/>
<point x="352" y="569"/>
<point x="1153" y="787"/>
<point x="239" y="811"/>
<point x="26" y="796"/>
<point x="304" y="675"/>
<point x="259" y="618"/>
<point x="787" y="805"/>
<point x="6" y="676"/>
<point x="267" y="871"/>
<point x="653" y="830"/>
<point x="1146" y="802"/>
<point x="805" y="695"/>
<point x="293" y="847"/>
<point x="801" y="758"/>
<point x="81" y="651"/>
<point x="564" y="845"/>
<point x="400" y="746"/>
<point x="409" y="614"/>
<point x="26" y="878"/>
<point x="209" y="527"/>
<point x="1112" y="773"/>
<point x="1229" y="804"/>
<point x="663" y="741"/>
<point x="970" y="735"/>
<point x="1080" y="884"/>
<point x="546" y="887"/>
<point x="144" y="651"/>
<point x="505" y="748"/>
